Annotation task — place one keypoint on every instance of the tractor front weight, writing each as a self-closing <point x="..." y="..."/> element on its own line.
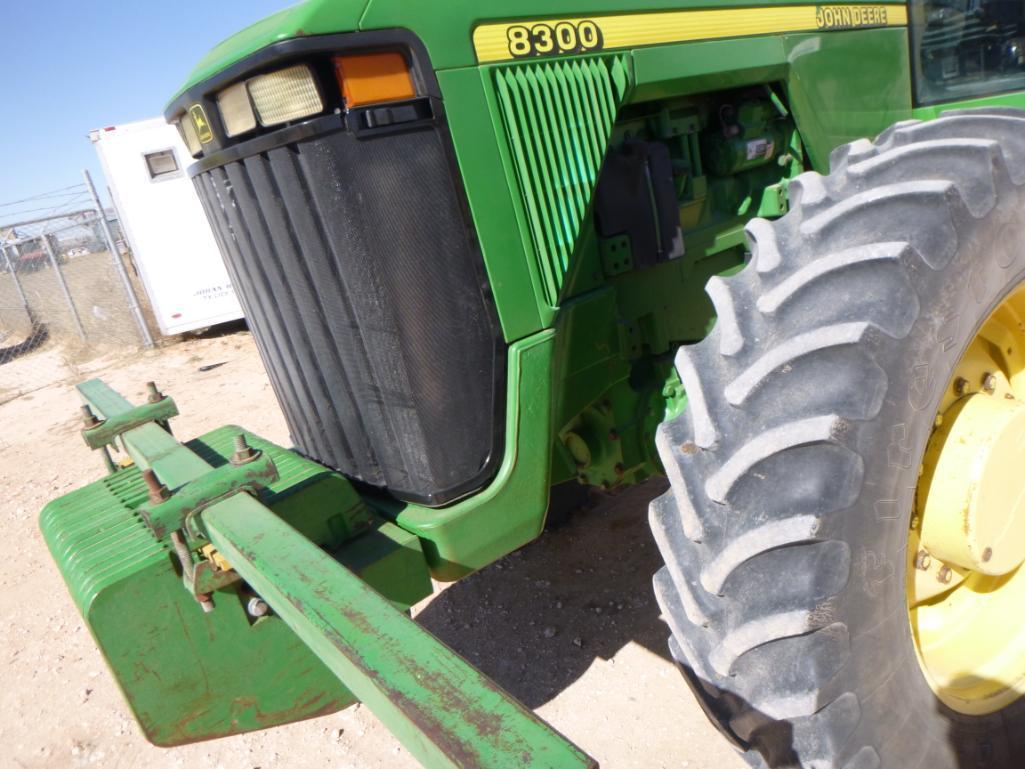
<point x="295" y="600"/>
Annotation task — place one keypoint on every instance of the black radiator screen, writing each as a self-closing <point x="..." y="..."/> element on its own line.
<point x="365" y="291"/>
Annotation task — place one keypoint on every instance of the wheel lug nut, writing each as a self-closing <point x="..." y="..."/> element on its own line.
<point x="923" y="560"/>
<point x="960" y="385"/>
<point x="944" y="575"/>
<point x="989" y="383"/>
<point x="987" y="554"/>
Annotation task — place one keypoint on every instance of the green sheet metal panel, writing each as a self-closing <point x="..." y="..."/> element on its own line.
<point x="510" y="512"/>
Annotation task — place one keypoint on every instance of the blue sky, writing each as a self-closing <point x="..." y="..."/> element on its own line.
<point x="67" y="67"/>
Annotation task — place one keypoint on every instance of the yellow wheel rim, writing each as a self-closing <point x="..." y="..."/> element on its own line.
<point x="965" y="583"/>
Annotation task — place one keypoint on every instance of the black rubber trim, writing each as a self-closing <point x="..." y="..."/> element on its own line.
<point x="354" y="121"/>
<point x="317" y="126"/>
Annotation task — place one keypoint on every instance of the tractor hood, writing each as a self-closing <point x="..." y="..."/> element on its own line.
<point x="315" y="17"/>
<point x="446" y="34"/>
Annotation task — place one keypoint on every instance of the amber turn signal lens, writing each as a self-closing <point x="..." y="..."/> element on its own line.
<point x="373" y="78"/>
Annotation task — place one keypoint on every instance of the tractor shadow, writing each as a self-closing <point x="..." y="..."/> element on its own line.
<point x="537" y="619"/>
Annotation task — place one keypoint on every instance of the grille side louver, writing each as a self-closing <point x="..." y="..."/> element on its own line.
<point x="558" y="118"/>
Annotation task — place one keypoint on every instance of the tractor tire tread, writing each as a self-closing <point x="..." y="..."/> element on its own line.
<point x="759" y="475"/>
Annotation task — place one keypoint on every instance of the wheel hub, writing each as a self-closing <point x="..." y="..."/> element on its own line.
<point x="965" y="580"/>
<point x="974" y="511"/>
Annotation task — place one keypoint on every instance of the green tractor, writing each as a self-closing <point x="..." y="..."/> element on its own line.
<point x="493" y="255"/>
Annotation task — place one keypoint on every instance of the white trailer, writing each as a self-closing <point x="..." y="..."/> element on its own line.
<point x="163" y="220"/>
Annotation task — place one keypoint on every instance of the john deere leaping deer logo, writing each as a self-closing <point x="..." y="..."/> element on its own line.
<point x="850" y="16"/>
<point x="199" y="121"/>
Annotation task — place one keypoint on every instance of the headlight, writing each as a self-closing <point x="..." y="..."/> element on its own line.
<point x="236" y="110"/>
<point x="189" y="135"/>
<point x="288" y="94"/>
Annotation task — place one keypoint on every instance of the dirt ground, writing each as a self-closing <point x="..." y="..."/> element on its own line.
<point x="567" y="624"/>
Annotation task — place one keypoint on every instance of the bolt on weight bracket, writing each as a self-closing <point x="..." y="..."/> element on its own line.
<point x="176" y="516"/>
<point x="99" y="434"/>
<point x="170" y="511"/>
<point x="202" y="578"/>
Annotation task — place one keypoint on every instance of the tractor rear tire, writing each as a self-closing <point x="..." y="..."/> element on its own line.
<point x="793" y="470"/>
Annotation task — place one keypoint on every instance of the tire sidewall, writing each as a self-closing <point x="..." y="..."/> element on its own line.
<point x="955" y="301"/>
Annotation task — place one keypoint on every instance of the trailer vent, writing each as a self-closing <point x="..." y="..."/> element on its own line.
<point x="558" y="119"/>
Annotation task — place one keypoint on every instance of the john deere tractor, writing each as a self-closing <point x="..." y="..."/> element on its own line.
<point x="495" y="254"/>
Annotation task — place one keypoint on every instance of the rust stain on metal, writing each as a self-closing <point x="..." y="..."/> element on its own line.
<point x="485" y="723"/>
<point x="185" y="732"/>
<point x="442" y="698"/>
<point x="196" y="496"/>
<point x="461" y="752"/>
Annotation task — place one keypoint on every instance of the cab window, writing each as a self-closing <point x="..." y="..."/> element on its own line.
<point x="963" y="49"/>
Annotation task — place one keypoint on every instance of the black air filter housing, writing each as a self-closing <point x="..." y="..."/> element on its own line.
<point x="351" y="249"/>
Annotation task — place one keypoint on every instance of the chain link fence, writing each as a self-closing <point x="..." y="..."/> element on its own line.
<point x="66" y="295"/>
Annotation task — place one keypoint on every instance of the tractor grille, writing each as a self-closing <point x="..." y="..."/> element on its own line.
<point x="364" y="288"/>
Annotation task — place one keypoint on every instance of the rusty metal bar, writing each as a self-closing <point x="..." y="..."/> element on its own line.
<point x="446" y="712"/>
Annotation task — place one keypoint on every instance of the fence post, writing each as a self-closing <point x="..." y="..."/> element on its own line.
<point x="126" y="284"/>
<point x="17" y="285"/>
<point x="63" y="284"/>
